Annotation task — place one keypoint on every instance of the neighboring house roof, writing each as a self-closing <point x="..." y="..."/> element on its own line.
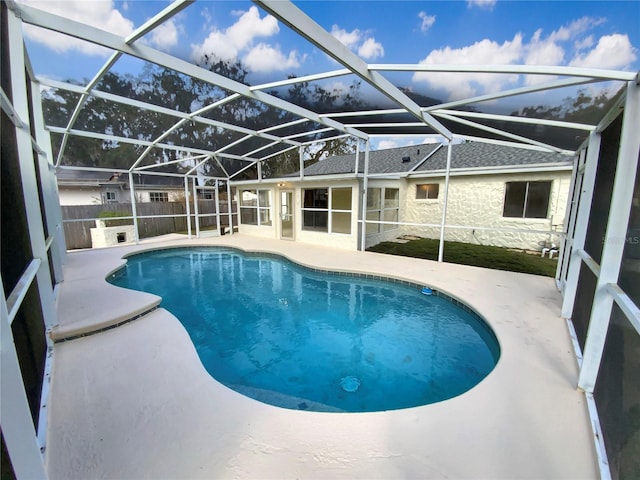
<point x="87" y="178"/>
<point x="464" y="155"/>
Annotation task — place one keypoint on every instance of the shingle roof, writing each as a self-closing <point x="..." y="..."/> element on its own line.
<point x="465" y="155"/>
<point x="380" y="161"/>
<point x="71" y="177"/>
<point x="480" y="154"/>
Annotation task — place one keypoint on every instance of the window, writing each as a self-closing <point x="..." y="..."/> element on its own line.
<point x="315" y="209"/>
<point x="158" y="196"/>
<point x="206" y="195"/>
<point x="110" y="197"/>
<point x="427" y="191"/>
<point x="374" y="209"/>
<point x="324" y="207"/>
<point x="382" y="205"/>
<point x="255" y="207"/>
<point x="526" y="199"/>
<point x="340" y="210"/>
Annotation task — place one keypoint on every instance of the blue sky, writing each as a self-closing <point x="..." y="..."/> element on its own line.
<point x="599" y="34"/>
<point x="593" y="33"/>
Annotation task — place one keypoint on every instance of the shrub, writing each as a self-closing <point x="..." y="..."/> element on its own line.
<point x="105" y="214"/>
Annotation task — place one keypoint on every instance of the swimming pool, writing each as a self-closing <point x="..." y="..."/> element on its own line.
<point x="304" y="339"/>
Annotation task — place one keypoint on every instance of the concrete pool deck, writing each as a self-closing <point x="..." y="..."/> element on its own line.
<point x="135" y="402"/>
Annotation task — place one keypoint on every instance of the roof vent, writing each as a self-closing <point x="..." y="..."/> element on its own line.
<point x="406" y="159"/>
<point x="418" y="151"/>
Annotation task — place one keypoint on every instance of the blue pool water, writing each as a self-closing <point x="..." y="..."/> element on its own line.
<point x="302" y="339"/>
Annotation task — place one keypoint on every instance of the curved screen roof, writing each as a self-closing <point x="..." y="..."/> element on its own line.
<point x="149" y="107"/>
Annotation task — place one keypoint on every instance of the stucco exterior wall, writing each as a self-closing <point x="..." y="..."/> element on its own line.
<point x="479" y="201"/>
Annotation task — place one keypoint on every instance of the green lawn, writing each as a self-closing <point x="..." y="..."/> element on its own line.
<point x="471" y="254"/>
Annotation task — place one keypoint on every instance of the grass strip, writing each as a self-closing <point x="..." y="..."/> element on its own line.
<point x="498" y="258"/>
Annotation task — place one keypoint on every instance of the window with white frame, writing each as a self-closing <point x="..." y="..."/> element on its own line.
<point x="110" y="197"/>
<point x="255" y="207"/>
<point x="374" y="209"/>
<point x="383" y="205"/>
<point x="390" y="208"/>
<point x="158" y="196"/>
<point x="327" y="209"/>
<point x="427" y="191"/>
<point x="526" y="199"/>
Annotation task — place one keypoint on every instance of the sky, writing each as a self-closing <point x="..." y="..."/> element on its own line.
<point x="598" y="34"/>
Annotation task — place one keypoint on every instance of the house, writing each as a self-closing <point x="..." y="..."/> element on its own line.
<point x="498" y="195"/>
<point x="87" y="187"/>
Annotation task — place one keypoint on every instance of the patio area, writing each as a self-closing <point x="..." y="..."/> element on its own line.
<point x="135" y="402"/>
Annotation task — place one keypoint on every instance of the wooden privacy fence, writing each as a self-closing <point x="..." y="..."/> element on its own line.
<point x="170" y="217"/>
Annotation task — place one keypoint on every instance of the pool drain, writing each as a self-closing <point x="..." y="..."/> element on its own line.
<point x="350" y="383"/>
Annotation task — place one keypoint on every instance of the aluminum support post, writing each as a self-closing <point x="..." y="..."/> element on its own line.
<point x="186" y="200"/>
<point x="230" y="207"/>
<point x="445" y="199"/>
<point x="614" y="240"/>
<point x="15" y="416"/>
<point x="365" y="186"/>
<point x="134" y="209"/>
<point x="217" y="197"/>
<point x="196" y="209"/>
<point x="581" y="223"/>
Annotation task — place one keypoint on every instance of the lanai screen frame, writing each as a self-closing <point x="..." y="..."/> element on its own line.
<point x="286" y="12"/>
<point x="304" y="26"/>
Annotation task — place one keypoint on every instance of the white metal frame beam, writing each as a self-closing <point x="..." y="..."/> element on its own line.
<point x="581" y="223"/>
<point x="300" y="23"/>
<point x="614" y="243"/>
<point x="91" y="34"/>
<point x="502" y="133"/>
<point x="593" y="73"/>
<point x="145" y="28"/>
<point x="169" y="112"/>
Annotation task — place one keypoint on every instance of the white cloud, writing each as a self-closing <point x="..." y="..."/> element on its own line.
<point x="383" y="143"/>
<point x="583" y="43"/>
<point x="165" y="36"/>
<point x="427" y="21"/>
<point x="484" y="52"/>
<point x="386" y="144"/>
<point x="370" y="49"/>
<point x="367" y="47"/>
<point x="348" y="39"/>
<point x="575" y="28"/>
<point x="265" y="58"/>
<point x="571" y="40"/>
<point x="102" y="15"/>
<point x="228" y="44"/>
<point x="488" y="4"/>
<point x="541" y="51"/>
<point x="612" y="51"/>
<point x="207" y="16"/>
